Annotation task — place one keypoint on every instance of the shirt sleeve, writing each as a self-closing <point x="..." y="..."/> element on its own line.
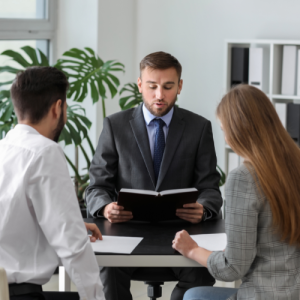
<point x="53" y="197"/>
<point x="241" y="228"/>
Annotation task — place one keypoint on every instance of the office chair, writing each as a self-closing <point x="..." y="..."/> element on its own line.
<point x="154" y="281"/>
<point x="4" y="294"/>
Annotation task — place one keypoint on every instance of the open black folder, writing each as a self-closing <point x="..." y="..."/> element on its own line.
<point x="155" y="206"/>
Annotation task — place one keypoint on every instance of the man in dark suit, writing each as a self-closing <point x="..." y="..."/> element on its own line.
<point x="156" y="146"/>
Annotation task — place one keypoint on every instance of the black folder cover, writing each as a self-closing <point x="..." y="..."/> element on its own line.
<point x="153" y="206"/>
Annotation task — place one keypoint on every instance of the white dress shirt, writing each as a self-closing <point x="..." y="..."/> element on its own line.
<point x="40" y="220"/>
<point x="151" y="127"/>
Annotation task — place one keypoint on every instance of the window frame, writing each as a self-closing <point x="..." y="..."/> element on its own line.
<point x="48" y="24"/>
<point x="31" y="29"/>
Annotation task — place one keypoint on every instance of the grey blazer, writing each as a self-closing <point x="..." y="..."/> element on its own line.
<point x="123" y="159"/>
<point x="268" y="267"/>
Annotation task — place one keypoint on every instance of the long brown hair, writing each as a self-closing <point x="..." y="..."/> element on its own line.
<point x="254" y="130"/>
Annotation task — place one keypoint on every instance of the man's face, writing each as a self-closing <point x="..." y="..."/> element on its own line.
<point x="61" y="123"/>
<point x="159" y="89"/>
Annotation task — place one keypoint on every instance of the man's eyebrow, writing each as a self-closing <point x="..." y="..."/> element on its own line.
<point x="168" y="82"/>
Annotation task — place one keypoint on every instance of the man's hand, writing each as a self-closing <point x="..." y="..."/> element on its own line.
<point x="96" y="234"/>
<point x="116" y="214"/>
<point x="184" y="244"/>
<point x="192" y="212"/>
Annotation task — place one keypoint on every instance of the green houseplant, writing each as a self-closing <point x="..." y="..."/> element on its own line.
<point x="86" y="72"/>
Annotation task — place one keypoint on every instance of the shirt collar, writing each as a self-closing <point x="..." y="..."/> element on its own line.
<point x="25" y="127"/>
<point x="149" y="117"/>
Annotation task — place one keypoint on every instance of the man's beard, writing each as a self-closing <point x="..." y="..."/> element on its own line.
<point x="160" y="114"/>
<point x="59" y="127"/>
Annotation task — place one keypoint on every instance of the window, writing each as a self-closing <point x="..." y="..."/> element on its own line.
<point x="27" y="15"/>
<point x="27" y="22"/>
<point x="23" y="9"/>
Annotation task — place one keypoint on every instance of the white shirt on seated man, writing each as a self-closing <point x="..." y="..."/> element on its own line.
<point x="40" y="221"/>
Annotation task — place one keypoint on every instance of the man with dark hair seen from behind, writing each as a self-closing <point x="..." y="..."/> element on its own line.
<point x="155" y="146"/>
<point x="40" y="221"/>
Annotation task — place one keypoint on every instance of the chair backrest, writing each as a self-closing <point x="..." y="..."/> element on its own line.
<point x="4" y="295"/>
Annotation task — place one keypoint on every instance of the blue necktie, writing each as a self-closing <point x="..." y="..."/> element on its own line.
<point x="159" y="145"/>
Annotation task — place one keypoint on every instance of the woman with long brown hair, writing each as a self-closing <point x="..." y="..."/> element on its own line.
<point x="262" y="206"/>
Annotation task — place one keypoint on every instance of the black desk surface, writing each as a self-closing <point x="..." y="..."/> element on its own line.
<point x="157" y="236"/>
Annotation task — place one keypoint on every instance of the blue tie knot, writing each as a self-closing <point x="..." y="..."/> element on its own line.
<point x="158" y="123"/>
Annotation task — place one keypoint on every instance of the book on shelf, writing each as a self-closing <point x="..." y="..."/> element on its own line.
<point x="288" y="80"/>
<point x="239" y="65"/>
<point x="156" y="206"/>
<point x="298" y="73"/>
<point x="281" y="109"/>
<point x="256" y="67"/>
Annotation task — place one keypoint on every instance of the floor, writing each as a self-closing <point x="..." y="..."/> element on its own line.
<point x="138" y="289"/>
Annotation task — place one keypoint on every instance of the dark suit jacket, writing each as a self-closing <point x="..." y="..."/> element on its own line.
<point x="123" y="159"/>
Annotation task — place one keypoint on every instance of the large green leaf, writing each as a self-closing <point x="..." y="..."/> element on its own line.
<point x="77" y="126"/>
<point x="134" y="97"/>
<point x="7" y="115"/>
<point x="89" y="73"/>
<point x="37" y="58"/>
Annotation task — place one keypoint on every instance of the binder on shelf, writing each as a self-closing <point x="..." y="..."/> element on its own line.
<point x="293" y="121"/>
<point x="256" y="67"/>
<point x="239" y="65"/>
<point x="281" y="109"/>
<point x="288" y="70"/>
<point x="233" y="161"/>
<point x="298" y="74"/>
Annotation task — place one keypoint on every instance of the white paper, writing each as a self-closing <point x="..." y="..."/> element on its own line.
<point x="211" y="242"/>
<point x="116" y="244"/>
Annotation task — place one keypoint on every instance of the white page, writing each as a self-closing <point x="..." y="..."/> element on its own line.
<point x="211" y="242"/>
<point x="116" y="244"/>
<point x="178" y="191"/>
<point x="144" y="192"/>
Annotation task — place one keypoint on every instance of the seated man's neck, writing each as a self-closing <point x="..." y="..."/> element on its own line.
<point x="42" y="127"/>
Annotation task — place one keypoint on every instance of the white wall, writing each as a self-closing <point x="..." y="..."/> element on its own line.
<point x="117" y="40"/>
<point x="194" y="31"/>
<point x="78" y="27"/>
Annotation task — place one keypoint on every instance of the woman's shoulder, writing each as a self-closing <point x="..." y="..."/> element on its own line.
<point x="242" y="172"/>
<point x="243" y="183"/>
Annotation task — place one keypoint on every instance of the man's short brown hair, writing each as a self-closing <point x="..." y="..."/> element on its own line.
<point x="35" y="89"/>
<point x="161" y="61"/>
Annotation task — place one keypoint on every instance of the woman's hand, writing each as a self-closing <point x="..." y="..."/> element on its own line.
<point x="183" y="243"/>
<point x="96" y="234"/>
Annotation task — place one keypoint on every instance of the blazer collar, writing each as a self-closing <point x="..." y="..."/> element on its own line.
<point x="139" y="129"/>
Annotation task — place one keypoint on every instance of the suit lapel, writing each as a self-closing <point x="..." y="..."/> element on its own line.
<point x="141" y="135"/>
<point x="174" y="136"/>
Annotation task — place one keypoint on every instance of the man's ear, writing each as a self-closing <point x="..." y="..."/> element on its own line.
<point x="179" y="87"/>
<point x="139" y="83"/>
<point x="56" y="109"/>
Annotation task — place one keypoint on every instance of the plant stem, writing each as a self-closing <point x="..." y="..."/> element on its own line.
<point x="91" y="145"/>
<point x="103" y="108"/>
<point x="76" y="166"/>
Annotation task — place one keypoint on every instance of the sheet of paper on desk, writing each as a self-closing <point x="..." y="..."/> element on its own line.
<point x="211" y="242"/>
<point x="116" y="244"/>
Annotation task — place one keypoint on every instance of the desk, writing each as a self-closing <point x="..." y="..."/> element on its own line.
<point x="155" y="250"/>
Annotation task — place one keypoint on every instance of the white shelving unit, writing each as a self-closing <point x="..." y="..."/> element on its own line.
<point x="272" y="71"/>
